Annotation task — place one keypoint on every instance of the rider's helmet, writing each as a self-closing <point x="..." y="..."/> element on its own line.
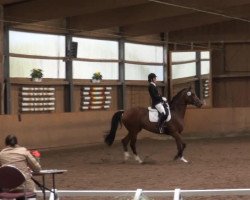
<point x="151" y="76"/>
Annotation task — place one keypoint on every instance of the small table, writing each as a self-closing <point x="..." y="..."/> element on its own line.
<point x="43" y="173"/>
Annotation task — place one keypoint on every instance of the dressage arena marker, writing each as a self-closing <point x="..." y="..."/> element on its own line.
<point x="96" y="98"/>
<point x="177" y="194"/>
<point x="37" y="99"/>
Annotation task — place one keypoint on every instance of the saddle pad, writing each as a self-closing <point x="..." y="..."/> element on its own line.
<point x="153" y="115"/>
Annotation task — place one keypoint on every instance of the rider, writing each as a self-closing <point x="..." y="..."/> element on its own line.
<point x="157" y="100"/>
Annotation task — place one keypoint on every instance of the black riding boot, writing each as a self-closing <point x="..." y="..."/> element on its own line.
<point x="161" y="121"/>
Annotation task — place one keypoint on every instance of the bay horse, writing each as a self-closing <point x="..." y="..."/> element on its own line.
<point x="136" y="119"/>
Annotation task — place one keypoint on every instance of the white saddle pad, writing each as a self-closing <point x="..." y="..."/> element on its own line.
<point x="153" y="115"/>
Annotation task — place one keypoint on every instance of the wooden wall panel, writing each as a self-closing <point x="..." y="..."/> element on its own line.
<point x="237" y="58"/>
<point x="138" y="96"/>
<point x="114" y="101"/>
<point x="57" y="129"/>
<point x="217" y="62"/>
<point x="60" y="100"/>
<point x="15" y="97"/>
<point x="78" y="97"/>
<point x="61" y="130"/>
<point x="231" y="92"/>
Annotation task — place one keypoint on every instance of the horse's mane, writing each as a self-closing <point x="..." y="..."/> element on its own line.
<point x="177" y="96"/>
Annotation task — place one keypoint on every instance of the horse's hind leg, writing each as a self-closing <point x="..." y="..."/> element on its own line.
<point x="133" y="147"/>
<point x="125" y="142"/>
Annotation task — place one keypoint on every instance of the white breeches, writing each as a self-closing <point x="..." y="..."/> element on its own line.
<point x="160" y="108"/>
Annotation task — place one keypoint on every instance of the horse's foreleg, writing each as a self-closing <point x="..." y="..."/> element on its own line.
<point x="133" y="147"/>
<point x="180" y="147"/>
<point x="125" y="142"/>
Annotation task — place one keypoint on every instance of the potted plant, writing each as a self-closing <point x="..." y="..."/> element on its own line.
<point x="97" y="77"/>
<point x="36" y="75"/>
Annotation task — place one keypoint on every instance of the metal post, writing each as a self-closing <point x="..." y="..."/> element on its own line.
<point x="177" y="194"/>
<point x="138" y="194"/>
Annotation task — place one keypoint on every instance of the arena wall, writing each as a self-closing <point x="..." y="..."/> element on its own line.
<point x="61" y="130"/>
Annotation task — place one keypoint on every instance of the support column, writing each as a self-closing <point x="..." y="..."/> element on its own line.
<point x="164" y="39"/>
<point x="198" y="85"/>
<point x="122" y="89"/>
<point x="69" y="76"/>
<point x="7" y="85"/>
<point x="1" y="62"/>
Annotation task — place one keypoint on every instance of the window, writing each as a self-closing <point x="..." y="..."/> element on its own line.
<point x="205" y="67"/>
<point x="21" y="67"/>
<point x="205" y="62"/>
<point x="96" y="50"/>
<point x="140" y="72"/>
<point x="140" y="60"/>
<point x="143" y="53"/>
<point x="183" y="70"/>
<point x="183" y="56"/>
<point x="192" y="68"/>
<point x="184" y="64"/>
<point x="85" y="70"/>
<point x="40" y="46"/>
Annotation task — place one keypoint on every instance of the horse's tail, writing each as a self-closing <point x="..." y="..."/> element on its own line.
<point x="116" y="119"/>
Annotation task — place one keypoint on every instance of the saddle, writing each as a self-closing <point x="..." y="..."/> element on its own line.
<point x="154" y="114"/>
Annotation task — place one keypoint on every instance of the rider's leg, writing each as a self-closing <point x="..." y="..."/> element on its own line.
<point x="166" y="107"/>
<point x="162" y="116"/>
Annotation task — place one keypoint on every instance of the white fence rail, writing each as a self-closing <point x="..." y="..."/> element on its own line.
<point x="177" y="194"/>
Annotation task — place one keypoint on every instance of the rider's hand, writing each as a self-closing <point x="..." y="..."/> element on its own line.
<point x="164" y="99"/>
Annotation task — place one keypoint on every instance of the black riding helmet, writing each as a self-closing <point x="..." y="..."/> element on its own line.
<point x="151" y="76"/>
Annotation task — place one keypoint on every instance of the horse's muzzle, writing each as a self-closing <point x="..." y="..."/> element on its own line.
<point x="198" y="103"/>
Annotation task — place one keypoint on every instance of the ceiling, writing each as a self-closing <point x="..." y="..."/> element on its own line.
<point x="131" y="18"/>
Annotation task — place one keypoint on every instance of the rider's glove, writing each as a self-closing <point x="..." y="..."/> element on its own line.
<point x="164" y="99"/>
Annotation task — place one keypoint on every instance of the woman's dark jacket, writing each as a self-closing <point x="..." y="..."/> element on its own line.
<point x="154" y="94"/>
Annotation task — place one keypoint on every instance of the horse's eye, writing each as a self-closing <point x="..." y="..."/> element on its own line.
<point x="189" y="93"/>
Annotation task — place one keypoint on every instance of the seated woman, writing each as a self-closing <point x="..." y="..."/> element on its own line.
<point x="21" y="158"/>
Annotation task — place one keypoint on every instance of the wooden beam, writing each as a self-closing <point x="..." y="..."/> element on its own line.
<point x="124" y="16"/>
<point x="184" y="21"/>
<point x="219" y="32"/>
<point x="5" y="2"/>
<point x="207" y="5"/>
<point x="39" y="10"/>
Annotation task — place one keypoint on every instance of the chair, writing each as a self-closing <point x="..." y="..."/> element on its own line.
<point x="10" y="178"/>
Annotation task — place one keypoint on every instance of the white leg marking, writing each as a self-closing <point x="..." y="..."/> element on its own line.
<point x="126" y="155"/>
<point x="137" y="158"/>
<point x="183" y="159"/>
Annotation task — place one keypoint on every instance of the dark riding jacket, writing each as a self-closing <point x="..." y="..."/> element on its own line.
<point x="154" y="94"/>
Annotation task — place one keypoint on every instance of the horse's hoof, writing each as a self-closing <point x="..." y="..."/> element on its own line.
<point x="183" y="160"/>
<point x="137" y="158"/>
<point x="140" y="161"/>
<point x="126" y="156"/>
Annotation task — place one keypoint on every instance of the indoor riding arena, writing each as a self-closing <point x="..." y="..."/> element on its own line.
<point x="74" y="88"/>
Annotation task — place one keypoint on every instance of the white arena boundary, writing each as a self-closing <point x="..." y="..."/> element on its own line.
<point x="177" y="194"/>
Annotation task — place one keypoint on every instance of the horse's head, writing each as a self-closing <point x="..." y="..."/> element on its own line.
<point x="191" y="98"/>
